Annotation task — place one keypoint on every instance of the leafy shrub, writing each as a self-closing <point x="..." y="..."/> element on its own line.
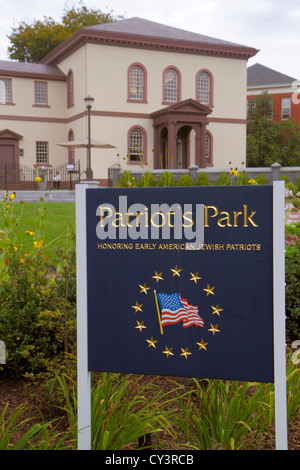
<point x="261" y="179"/>
<point x="292" y="279"/>
<point x="202" y="180"/>
<point x="242" y="178"/>
<point x="185" y="180"/>
<point x="223" y="180"/>
<point x="127" y="180"/>
<point x="147" y="180"/>
<point x="37" y="312"/>
<point x="166" y="179"/>
<point x="24" y="295"/>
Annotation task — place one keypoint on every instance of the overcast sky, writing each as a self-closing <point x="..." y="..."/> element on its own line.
<point x="272" y="26"/>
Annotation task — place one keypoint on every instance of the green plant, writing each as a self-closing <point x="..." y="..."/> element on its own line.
<point x="242" y="178"/>
<point x="185" y="180"/>
<point x="222" y="415"/>
<point x="38" y="311"/>
<point x="147" y="179"/>
<point x="127" y="180"/>
<point x="261" y="179"/>
<point x="121" y="413"/>
<point x="21" y="435"/>
<point x="202" y="179"/>
<point x="223" y="180"/>
<point x="166" y="179"/>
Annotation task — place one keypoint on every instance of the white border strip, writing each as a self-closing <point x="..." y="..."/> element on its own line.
<point x="279" y="316"/>
<point x="83" y="375"/>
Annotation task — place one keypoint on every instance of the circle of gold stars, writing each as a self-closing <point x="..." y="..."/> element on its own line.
<point x="152" y="342"/>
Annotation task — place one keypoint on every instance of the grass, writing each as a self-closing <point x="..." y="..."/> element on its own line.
<point x="52" y="226"/>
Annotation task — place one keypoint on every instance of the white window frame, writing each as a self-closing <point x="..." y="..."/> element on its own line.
<point x="136" y="145"/>
<point x="286" y="108"/>
<point x="204" y="88"/>
<point x="42" y="152"/>
<point x="137" y="83"/>
<point x="40" y="93"/>
<point x="5" y="90"/>
<point x="171" y="83"/>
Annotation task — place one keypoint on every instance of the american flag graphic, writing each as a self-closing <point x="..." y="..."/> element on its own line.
<point x="175" y="309"/>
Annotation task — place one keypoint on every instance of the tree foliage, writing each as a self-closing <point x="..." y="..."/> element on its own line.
<point x="32" y="42"/>
<point x="269" y="141"/>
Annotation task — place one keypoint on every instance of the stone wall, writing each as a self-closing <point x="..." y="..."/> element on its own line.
<point x="273" y="173"/>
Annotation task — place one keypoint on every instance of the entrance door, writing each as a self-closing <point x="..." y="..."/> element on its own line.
<point x="8" y="170"/>
<point x="7" y="154"/>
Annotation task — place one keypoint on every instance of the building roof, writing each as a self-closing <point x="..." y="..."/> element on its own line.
<point x="259" y="75"/>
<point x="141" y="33"/>
<point x="142" y="27"/>
<point x="27" y="69"/>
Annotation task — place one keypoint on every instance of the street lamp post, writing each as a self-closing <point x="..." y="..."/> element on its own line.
<point x="89" y="104"/>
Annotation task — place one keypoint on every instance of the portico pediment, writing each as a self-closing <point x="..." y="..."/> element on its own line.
<point x="8" y="134"/>
<point x="187" y="107"/>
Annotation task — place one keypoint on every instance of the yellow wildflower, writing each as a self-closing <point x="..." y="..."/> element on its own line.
<point x="234" y="172"/>
<point x="38" y="179"/>
<point x="252" y="181"/>
<point x="38" y="244"/>
<point x="29" y="232"/>
<point x="12" y="195"/>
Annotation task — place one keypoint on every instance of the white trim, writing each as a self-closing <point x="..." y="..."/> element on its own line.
<point x="83" y="374"/>
<point x="279" y="316"/>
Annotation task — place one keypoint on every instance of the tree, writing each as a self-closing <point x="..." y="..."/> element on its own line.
<point x="30" y="43"/>
<point x="269" y="141"/>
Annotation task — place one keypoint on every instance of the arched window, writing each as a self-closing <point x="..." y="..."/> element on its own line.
<point x="171" y="80"/>
<point x="204" y="87"/>
<point x="137" y="145"/>
<point x="70" y="89"/>
<point x="137" y="81"/>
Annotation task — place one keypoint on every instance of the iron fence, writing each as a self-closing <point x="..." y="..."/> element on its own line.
<point x="21" y="177"/>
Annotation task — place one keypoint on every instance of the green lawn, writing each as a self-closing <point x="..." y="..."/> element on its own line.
<point x="57" y="223"/>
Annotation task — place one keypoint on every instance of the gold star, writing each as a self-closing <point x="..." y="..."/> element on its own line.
<point x="137" y="307"/>
<point x="157" y="276"/>
<point x="168" y="351"/>
<point x="216" y="309"/>
<point x="176" y="271"/>
<point x="209" y="290"/>
<point x="151" y="342"/>
<point x="140" y="325"/>
<point x="202" y="345"/>
<point x="214" y="329"/>
<point x="195" y="277"/>
<point x="144" y="288"/>
<point x="185" y="352"/>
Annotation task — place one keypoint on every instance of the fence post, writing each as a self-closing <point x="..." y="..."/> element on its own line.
<point x="193" y="171"/>
<point x="275" y="171"/>
<point x="115" y="173"/>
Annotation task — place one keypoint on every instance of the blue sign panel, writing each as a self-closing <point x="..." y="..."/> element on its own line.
<point x="180" y="281"/>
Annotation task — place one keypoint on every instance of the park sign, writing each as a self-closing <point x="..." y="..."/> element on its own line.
<point x="179" y="281"/>
<point x="182" y="281"/>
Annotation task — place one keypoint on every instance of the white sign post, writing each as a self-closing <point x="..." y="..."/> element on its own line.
<point x="279" y="315"/>
<point x="84" y="376"/>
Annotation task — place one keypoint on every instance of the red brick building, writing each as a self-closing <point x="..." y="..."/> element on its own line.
<point x="284" y="90"/>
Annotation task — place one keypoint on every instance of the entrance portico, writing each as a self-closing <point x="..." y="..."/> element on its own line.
<point x="172" y="131"/>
